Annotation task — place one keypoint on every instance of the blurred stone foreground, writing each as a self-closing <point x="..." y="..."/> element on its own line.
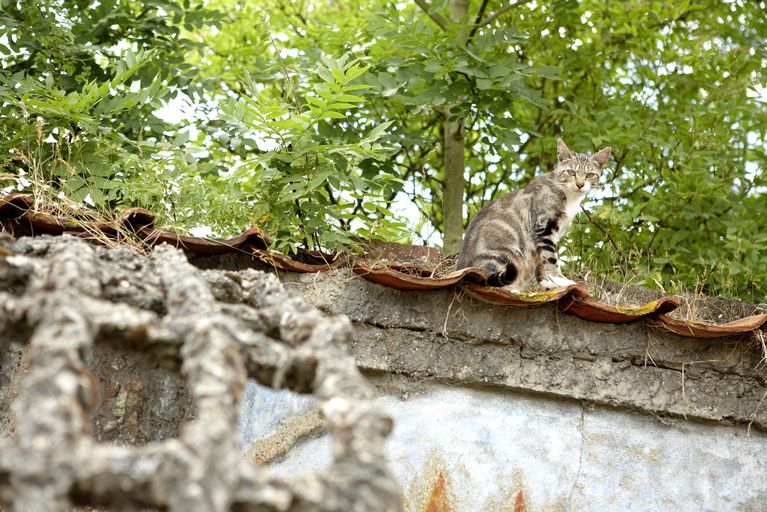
<point x="122" y="378"/>
<point x="132" y="381"/>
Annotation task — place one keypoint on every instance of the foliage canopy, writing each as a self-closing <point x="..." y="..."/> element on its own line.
<point x="322" y="120"/>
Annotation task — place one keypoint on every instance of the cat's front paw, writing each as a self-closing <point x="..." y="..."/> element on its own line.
<point x="552" y="282"/>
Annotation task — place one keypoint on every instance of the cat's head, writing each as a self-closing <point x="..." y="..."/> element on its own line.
<point x="579" y="173"/>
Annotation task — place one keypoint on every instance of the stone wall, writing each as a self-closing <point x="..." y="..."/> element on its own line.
<point x="123" y="382"/>
<point x="497" y="408"/>
<point x="447" y="336"/>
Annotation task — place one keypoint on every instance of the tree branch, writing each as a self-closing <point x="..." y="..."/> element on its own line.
<point x="499" y="12"/>
<point x="606" y="233"/>
<point x="477" y="20"/>
<point x="436" y="17"/>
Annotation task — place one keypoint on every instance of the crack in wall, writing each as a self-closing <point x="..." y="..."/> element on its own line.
<point x="527" y="351"/>
<point x="609" y="381"/>
<point x="582" y="430"/>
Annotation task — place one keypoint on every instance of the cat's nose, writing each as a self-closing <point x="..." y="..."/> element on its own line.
<point x="580" y="184"/>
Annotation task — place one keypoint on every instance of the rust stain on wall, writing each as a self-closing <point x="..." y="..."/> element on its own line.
<point x="439" y="500"/>
<point x="430" y="489"/>
<point x="433" y="490"/>
<point x="519" y="502"/>
<point x="510" y="496"/>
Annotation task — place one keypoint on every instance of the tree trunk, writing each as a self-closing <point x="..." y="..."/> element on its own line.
<point x="453" y="154"/>
<point x="452" y="193"/>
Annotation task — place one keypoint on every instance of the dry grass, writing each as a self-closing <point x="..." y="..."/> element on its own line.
<point x="49" y="200"/>
<point x="90" y="222"/>
<point x="415" y="266"/>
<point x="695" y="306"/>
<point x="759" y="340"/>
<point x="445" y="266"/>
<point x="614" y="293"/>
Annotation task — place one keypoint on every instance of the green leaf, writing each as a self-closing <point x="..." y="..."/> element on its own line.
<point x="355" y="71"/>
<point x="325" y="74"/>
<point x="339" y="75"/>
<point x="378" y="131"/>
<point x="349" y="98"/>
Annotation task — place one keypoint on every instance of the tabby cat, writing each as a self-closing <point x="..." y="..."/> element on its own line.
<point x="514" y="238"/>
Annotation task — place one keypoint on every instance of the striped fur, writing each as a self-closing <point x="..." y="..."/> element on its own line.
<point x="514" y="238"/>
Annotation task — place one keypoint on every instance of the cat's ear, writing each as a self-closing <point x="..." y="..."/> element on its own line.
<point x="562" y="152"/>
<point x="601" y="157"/>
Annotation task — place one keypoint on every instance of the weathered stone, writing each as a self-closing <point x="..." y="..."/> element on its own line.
<point x="448" y="336"/>
<point x="78" y="306"/>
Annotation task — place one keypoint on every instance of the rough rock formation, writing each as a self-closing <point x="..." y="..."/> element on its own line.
<point x="62" y="300"/>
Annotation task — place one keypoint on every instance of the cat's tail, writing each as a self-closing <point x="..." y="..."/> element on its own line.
<point x="499" y="269"/>
<point x="500" y="273"/>
<point x="505" y="277"/>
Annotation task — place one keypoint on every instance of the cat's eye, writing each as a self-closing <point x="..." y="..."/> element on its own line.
<point x="591" y="175"/>
<point x="571" y="172"/>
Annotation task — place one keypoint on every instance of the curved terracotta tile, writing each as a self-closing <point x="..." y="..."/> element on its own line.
<point x="137" y="218"/>
<point x="573" y="299"/>
<point x="413" y="278"/>
<point x="392" y="251"/>
<point x="495" y="295"/>
<point x="18" y="207"/>
<point x="253" y="237"/>
<point x="282" y="262"/>
<point x="51" y="224"/>
<point x="590" y="309"/>
<point x="56" y="225"/>
<point x="705" y="330"/>
<point x="13" y="206"/>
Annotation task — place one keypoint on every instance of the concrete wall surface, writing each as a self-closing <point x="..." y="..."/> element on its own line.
<point x="504" y="409"/>
<point x="444" y="335"/>
<point x="461" y="449"/>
